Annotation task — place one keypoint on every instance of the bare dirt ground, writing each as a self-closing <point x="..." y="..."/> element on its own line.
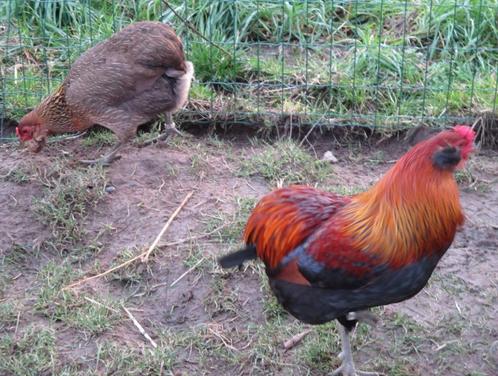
<point x="60" y="222"/>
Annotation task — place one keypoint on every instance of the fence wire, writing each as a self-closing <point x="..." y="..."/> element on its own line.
<point x="380" y="63"/>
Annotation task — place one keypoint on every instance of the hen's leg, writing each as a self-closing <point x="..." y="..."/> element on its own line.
<point x="169" y="129"/>
<point x="347" y="367"/>
<point x="123" y="134"/>
<point x="170" y="125"/>
<point x="107" y="159"/>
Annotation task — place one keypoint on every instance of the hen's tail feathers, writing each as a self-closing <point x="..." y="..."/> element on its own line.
<point x="237" y="258"/>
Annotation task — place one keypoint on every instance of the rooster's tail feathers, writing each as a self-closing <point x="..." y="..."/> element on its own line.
<point x="238" y="258"/>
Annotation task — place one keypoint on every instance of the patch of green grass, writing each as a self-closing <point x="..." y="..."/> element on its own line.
<point x="143" y="136"/>
<point x="94" y="317"/>
<point x="285" y="163"/>
<point x="101" y="137"/>
<point x="343" y="190"/>
<point x="320" y="348"/>
<point x="198" y="162"/>
<point x="17" y="255"/>
<point x="464" y="177"/>
<point x="201" y="92"/>
<point x="221" y="299"/>
<point x="194" y="255"/>
<point x="31" y="353"/>
<point x="229" y="227"/>
<point x="75" y="311"/>
<point x="215" y="66"/>
<point x="51" y="300"/>
<point x="407" y="334"/>
<point x="233" y="232"/>
<point x="20" y="175"/>
<point x="8" y="315"/>
<point x="119" y="359"/>
<point x="68" y="194"/>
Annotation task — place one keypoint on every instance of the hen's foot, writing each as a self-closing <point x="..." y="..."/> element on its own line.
<point x="106" y="160"/>
<point x="169" y="130"/>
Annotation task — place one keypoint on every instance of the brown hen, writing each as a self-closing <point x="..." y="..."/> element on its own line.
<point x="121" y="83"/>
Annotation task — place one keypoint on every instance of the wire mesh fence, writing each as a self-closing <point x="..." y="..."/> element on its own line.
<point x="377" y="63"/>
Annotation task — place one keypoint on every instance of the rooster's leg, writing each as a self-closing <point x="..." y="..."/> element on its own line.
<point x="106" y="159"/>
<point x="366" y="317"/>
<point x="347" y="367"/>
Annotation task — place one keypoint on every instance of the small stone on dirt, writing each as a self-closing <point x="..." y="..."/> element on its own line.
<point x="328" y="156"/>
<point x="110" y="188"/>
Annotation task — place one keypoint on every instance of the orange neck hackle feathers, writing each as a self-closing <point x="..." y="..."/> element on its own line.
<point x="414" y="210"/>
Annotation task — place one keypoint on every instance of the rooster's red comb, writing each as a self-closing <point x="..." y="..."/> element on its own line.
<point x="465" y="132"/>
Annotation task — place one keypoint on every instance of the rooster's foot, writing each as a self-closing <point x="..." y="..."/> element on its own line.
<point x="348" y="370"/>
<point x="347" y="367"/>
<point x="366" y="317"/>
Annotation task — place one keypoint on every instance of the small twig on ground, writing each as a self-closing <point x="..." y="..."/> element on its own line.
<point x="188" y="271"/>
<point x="223" y="339"/>
<point x="17" y="322"/>
<point x="295" y="340"/>
<point x="9" y="172"/>
<point x="100" y="304"/>
<point x="143" y="256"/>
<point x="140" y="327"/>
<point x="181" y="241"/>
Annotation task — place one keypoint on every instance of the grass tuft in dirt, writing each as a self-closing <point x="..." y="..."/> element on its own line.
<point x="130" y="274"/>
<point x="68" y="194"/>
<point x="229" y="227"/>
<point x="31" y="353"/>
<point x="52" y="301"/>
<point x="91" y="316"/>
<point x="8" y="315"/>
<point x="116" y="359"/>
<point x="19" y="175"/>
<point x="284" y="163"/>
<point x="100" y="137"/>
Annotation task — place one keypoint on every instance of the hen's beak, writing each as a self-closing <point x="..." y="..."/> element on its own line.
<point x="34" y="146"/>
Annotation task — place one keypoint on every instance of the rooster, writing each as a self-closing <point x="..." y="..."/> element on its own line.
<point x="121" y="83"/>
<point x="333" y="257"/>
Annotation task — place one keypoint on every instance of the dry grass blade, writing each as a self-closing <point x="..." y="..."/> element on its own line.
<point x="140" y="328"/>
<point x="100" y="304"/>
<point x="145" y="258"/>
<point x="188" y="271"/>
